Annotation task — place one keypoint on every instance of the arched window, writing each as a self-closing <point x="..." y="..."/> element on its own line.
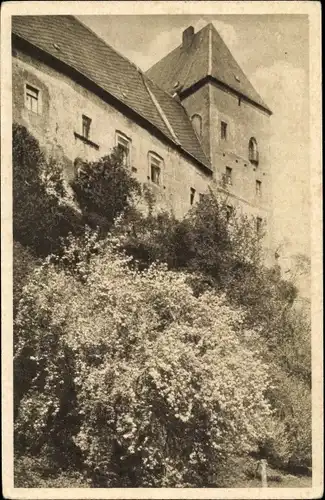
<point x="253" y="151"/>
<point x="197" y="124"/>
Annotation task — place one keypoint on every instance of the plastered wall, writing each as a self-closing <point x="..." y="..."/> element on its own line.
<point x="63" y="102"/>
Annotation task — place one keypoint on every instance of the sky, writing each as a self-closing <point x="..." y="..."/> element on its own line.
<point x="273" y="52"/>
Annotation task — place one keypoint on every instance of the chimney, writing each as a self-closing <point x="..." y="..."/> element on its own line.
<point x="188" y="36"/>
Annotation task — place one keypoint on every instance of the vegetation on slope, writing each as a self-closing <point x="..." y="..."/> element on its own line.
<point x="151" y="351"/>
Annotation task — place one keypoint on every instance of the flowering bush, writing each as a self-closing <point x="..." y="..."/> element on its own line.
<point x="131" y="376"/>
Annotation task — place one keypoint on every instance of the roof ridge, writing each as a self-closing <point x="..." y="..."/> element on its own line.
<point x="160" y="110"/>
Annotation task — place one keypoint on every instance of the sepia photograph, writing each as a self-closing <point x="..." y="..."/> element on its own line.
<point x="161" y="235"/>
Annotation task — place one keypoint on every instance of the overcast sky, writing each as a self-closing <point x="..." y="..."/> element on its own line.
<point x="273" y="52"/>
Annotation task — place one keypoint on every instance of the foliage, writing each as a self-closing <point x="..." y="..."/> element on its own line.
<point x="145" y="383"/>
<point x="104" y="189"/>
<point x="24" y="261"/>
<point x="222" y="247"/>
<point x="42" y="210"/>
<point x="41" y="472"/>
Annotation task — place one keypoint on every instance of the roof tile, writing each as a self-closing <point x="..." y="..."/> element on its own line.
<point x="69" y="41"/>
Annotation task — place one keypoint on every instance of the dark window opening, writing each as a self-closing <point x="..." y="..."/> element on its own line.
<point x="253" y="154"/>
<point x="228" y="176"/>
<point x="223" y="130"/>
<point x="192" y="195"/>
<point x="229" y="211"/>
<point x="258" y="188"/>
<point x="259" y="223"/>
<point x="86" y="126"/>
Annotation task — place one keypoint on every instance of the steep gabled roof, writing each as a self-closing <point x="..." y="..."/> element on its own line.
<point x="69" y="41"/>
<point x="206" y="56"/>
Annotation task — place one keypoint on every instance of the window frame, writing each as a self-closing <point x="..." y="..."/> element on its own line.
<point x="228" y="178"/>
<point x="259" y="225"/>
<point x="124" y="137"/>
<point x="85" y="125"/>
<point x="31" y="88"/>
<point x="156" y="162"/>
<point x="253" y="153"/>
<point x="223" y="130"/>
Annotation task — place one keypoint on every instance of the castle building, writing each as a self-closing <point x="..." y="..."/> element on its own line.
<point x="191" y="121"/>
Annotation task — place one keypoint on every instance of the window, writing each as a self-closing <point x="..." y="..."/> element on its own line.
<point x="123" y="144"/>
<point x="223" y="130"/>
<point x="197" y="124"/>
<point x="258" y="188"/>
<point x="202" y="196"/>
<point x="253" y="155"/>
<point x="229" y="211"/>
<point x="32" y="99"/>
<point x="86" y="126"/>
<point x="228" y="176"/>
<point x="192" y="195"/>
<point x="259" y="223"/>
<point x="155" y="165"/>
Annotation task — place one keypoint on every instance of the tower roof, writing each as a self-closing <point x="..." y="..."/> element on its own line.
<point x="203" y="55"/>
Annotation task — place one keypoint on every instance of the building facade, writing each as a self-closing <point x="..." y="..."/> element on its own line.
<point x="192" y="121"/>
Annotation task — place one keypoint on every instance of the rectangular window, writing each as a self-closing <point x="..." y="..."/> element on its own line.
<point x="259" y="223"/>
<point x="32" y="96"/>
<point x="258" y="188"/>
<point x="123" y="143"/>
<point x="86" y="126"/>
<point x="228" y="176"/>
<point x="229" y="211"/>
<point x="192" y="195"/>
<point x="223" y="130"/>
<point x="155" y="170"/>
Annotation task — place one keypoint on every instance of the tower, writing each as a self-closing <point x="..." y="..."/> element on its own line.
<point x="228" y="115"/>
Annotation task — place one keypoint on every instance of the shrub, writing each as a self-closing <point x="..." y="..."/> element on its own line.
<point x="144" y="383"/>
<point x="42" y="213"/>
<point x="104" y="189"/>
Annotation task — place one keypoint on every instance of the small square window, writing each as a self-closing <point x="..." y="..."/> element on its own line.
<point x="192" y="195"/>
<point x="258" y="188"/>
<point x="223" y="130"/>
<point x="124" y="145"/>
<point x="228" y="176"/>
<point x="32" y="97"/>
<point x="86" y="126"/>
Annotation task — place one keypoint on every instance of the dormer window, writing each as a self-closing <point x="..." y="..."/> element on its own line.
<point x="197" y="124"/>
<point x="253" y="155"/>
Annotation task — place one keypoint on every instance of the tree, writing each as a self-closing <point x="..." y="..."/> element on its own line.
<point x="42" y="211"/>
<point x="144" y="382"/>
<point x="104" y="189"/>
